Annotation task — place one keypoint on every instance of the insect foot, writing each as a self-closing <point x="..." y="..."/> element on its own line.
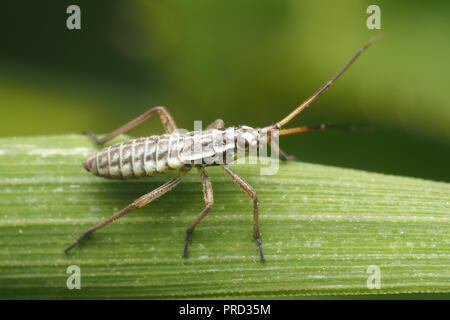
<point x="93" y="136"/>
<point x="186" y="242"/>
<point x="259" y="243"/>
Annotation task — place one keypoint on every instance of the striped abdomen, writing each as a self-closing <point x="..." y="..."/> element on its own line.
<point x="132" y="159"/>
<point x="157" y="154"/>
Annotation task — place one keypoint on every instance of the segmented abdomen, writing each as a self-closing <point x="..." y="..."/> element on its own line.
<point x="132" y="159"/>
<point x="157" y="154"/>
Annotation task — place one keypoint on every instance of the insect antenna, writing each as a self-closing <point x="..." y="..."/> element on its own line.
<point x="305" y="104"/>
<point x="349" y="127"/>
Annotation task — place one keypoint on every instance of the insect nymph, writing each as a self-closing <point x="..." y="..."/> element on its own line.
<point x="152" y="155"/>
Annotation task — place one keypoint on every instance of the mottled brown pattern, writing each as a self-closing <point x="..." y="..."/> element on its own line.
<point x="114" y="163"/>
<point x="139" y="149"/>
<point x="149" y="153"/>
<point x="126" y="154"/>
<point x="102" y="160"/>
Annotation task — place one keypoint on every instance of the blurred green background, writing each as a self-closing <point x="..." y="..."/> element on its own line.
<point x="247" y="62"/>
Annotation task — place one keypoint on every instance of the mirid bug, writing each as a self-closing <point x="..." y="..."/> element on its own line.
<point x="152" y="155"/>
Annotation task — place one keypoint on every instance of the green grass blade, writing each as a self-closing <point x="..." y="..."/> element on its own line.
<point x="322" y="227"/>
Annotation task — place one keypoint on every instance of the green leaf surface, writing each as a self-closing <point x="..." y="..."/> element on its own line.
<point x="322" y="227"/>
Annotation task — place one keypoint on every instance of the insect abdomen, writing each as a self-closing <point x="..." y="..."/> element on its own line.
<point x="157" y="154"/>
<point x="133" y="159"/>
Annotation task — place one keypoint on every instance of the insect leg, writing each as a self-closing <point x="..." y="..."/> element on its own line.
<point x="217" y="124"/>
<point x="209" y="201"/>
<point x="166" y="120"/>
<point x="252" y="194"/>
<point x="138" y="203"/>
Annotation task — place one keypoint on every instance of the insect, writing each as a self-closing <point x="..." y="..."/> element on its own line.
<point x="157" y="154"/>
